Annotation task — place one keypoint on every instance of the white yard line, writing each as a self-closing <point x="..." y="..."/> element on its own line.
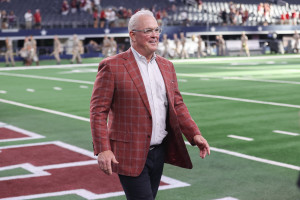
<point x="235" y="58"/>
<point x="49" y="67"/>
<point x="286" y="133"/>
<point x="44" y="110"/>
<point x="47" y="78"/>
<point x="238" y="78"/>
<point x="240" y="137"/>
<point x="240" y="99"/>
<point x="262" y="160"/>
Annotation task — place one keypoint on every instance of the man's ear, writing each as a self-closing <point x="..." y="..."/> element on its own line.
<point x="132" y="36"/>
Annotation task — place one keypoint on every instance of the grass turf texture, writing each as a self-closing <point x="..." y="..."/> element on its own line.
<point x="219" y="175"/>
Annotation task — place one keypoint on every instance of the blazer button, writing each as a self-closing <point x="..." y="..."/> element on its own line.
<point x="149" y="136"/>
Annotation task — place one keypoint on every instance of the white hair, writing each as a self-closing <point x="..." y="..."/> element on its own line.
<point x="135" y="18"/>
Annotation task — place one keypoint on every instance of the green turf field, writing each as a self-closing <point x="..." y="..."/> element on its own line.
<point x="247" y="109"/>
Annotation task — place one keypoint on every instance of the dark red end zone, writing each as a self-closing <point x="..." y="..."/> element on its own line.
<point x="63" y="178"/>
<point x="6" y="133"/>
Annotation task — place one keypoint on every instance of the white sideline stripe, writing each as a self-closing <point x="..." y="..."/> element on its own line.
<point x="86" y="119"/>
<point x="240" y="137"/>
<point x="238" y="78"/>
<point x="267" y="81"/>
<point x="262" y="160"/>
<point x="39" y="171"/>
<point x="47" y="78"/>
<point x="31" y="135"/>
<point x="235" y="58"/>
<point x="173" y="61"/>
<point x="50" y="67"/>
<point x="286" y="133"/>
<point x="240" y="99"/>
<point x="44" y="110"/>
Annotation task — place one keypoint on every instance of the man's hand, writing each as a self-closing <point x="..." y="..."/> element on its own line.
<point x="202" y="145"/>
<point x="105" y="159"/>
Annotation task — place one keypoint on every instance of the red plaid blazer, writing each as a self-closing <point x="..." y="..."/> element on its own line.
<point x="121" y="119"/>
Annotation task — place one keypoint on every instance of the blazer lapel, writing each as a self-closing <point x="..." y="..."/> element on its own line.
<point x="135" y="74"/>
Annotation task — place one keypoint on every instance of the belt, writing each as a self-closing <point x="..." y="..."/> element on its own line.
<point x="154" y="146"/>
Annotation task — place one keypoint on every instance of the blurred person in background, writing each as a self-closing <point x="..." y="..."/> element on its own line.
<point x="220" y="42"/>
<point x="102" y="18"/>
<point x="28" y="19"/>
<point x="244" y="46"/>
<point x="296" y="38"/>
<point x="25" y="52"/>
<point x="200" y="52"/>
<point x="137" y="114"/>
<point x="165" y="42"/>
<point x="76" y="50"/>
<point x="33" y="51"/>
<point x="4" y="20"/>
<point x="177" y="44"/>
<point x="57" y="49"/>
<point x="183" y="53"/>
<point x="113" y="46"/>
<point x="65" y="7"/>
<point x="37" y="19"/>
<point x="9" y="53"/>
<point x="12" y="20"/>
<point x="105" y="46"/>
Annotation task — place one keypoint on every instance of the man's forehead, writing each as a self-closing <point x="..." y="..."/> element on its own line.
<point x="146" y="21"/>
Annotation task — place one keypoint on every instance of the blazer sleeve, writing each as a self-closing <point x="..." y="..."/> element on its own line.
<point x="100" y="105"/>
<point x="187" y="125"/>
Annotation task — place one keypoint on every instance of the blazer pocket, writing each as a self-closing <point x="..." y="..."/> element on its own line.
<point x="120" y="136"/>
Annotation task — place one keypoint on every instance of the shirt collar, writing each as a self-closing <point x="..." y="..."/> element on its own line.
<point x="141" y="57"/>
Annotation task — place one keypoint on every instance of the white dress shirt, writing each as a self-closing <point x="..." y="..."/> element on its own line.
<point x="156" y="93"/>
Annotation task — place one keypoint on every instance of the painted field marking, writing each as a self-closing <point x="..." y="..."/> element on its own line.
<point x="3" y="92"/>
<point x="286" y="133"/>
<point x="262" y="160"/>
<point x="30" y="90"/>
<point x="45" y="110"/>
<point x="31" y="135"/>
<point x="50" y="67"/>
<point x="84" y="86"/>
<point x="227" y="198"/>
<point x="182" y="80"/>
<point x="38" y="171"/>
<point x="239" y="78"/>
<point x="230" y="59"/>
<point x="57" y="88"/>
<point x="46" y="78"/>
<point x="240" y="99"/>
<point x="240" y="137"/>
<point x="203" y="77"/>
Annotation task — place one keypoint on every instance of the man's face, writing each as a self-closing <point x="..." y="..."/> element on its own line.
<point x="145" y="44"/>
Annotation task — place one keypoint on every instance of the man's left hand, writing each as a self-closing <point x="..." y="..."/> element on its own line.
<point x="202" y="145"/>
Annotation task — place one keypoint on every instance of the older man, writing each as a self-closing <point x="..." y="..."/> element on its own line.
<point x="138" y="114"/>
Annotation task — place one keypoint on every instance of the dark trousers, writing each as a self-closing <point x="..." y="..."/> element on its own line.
<point x="145" y="186"/>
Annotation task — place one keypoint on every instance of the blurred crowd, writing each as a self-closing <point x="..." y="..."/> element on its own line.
<point x="236" y="14"/>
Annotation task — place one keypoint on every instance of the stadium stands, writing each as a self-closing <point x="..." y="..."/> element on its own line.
<point x="185" y="14"/>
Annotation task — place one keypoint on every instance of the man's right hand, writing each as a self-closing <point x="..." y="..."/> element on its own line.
<point x="105" y="159"/>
